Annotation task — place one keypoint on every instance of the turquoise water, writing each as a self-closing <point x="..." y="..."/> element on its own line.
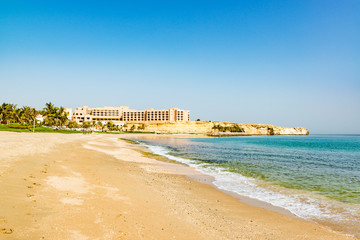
<point x="315" y="177"/>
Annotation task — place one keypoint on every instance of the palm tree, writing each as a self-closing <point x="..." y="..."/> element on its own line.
<point x="124" y="127"/>
<point x="10" y="113"/>
<point x="24" y="114"/>
<point x="2" y="113"/>
<point x="50" y="113"/>
<point x="100" y="125"/>
<point x="72" y="124"/>
<point x="49" y="108"/>
<point x="16" y="114"/>
<point x="61" y="116"/>
<point x="110" y="126"/>
<point x="132" y="128"/>
<point x="5" y="112"/>
<point x="55" y="115"/>
<point x="86" y="125"/>
<point x="28" y="114"/>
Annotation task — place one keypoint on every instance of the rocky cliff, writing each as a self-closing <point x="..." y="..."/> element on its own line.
<point x="205" y="127"/>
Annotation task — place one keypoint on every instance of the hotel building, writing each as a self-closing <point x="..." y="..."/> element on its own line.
<point x="122" y="115"/>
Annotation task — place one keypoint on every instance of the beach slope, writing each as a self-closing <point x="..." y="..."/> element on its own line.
<point x="57" y="186"/>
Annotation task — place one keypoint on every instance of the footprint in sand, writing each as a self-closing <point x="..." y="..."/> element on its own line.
<point x="6" y="230"/>
<point x="29" y="195"/>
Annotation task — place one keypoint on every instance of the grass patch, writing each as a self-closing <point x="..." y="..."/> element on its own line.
<point x="149" y="154"/>
<point x="29" y="128"/>
<point x="129" y="141"/>
<point x="13" y="128"/>
<point x="135" y="132"/>
<point x="156" y="156"/>
<point x="153" y="155"/>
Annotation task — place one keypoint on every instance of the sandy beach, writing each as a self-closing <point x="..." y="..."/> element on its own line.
<point x="75" y="186"/>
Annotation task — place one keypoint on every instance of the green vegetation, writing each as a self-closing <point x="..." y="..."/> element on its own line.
<point x="156" y="156"/>
<point x="137" y="132"/>
<point x="233" y="128"/>
<point x="46" y="129"/>
<point x="54" y="116"/>
<point x="129" y="141"/>
<point x="9" y="113"/>
<point x="149" y="154"/>
<point x="24" y="119"/>
<point x="141" y="127"/>
<point x="54" y="119"/>
<point x="16" y="127"/>
<point x="72" y="124"/>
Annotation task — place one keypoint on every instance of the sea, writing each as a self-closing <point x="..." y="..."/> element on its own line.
<point x="315" y="177"/>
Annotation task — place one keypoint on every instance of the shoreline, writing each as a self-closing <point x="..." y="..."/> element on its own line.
<point x="208" y="179"/>
<point x="96" y="186"/>
<point x="244" y="198"/>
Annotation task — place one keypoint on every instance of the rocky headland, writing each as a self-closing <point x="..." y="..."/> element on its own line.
<point x="206" y="127"/>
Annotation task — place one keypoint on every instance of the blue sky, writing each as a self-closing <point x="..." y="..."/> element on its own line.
<point x="288" y="63"/>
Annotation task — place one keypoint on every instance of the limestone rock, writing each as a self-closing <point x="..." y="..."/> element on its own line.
<point x="204" y="127"/>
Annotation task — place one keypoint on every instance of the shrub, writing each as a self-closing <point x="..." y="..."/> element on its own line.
<point x="18" y="126"/>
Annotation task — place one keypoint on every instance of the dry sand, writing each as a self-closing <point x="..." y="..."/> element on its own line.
<point x="57" y="186"/>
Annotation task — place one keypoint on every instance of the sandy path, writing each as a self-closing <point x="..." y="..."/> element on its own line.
<point x="95" y="187"/>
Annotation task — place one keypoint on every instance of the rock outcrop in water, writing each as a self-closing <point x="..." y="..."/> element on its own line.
<point x="206" y="127"/>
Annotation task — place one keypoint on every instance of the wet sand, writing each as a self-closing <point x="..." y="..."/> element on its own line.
<point x="58" y="186"/>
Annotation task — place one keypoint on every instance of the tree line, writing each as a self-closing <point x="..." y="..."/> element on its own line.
<point x="53" y="117"/>
<point x="9" y="113"/>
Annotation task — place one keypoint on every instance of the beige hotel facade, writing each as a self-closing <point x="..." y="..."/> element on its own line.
<point x="121" y="115"/>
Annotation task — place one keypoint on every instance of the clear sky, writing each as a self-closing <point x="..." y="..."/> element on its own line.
<point x="288" y="63"/>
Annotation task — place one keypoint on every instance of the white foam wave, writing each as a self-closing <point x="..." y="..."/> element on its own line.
<point x="300" y="203"/>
